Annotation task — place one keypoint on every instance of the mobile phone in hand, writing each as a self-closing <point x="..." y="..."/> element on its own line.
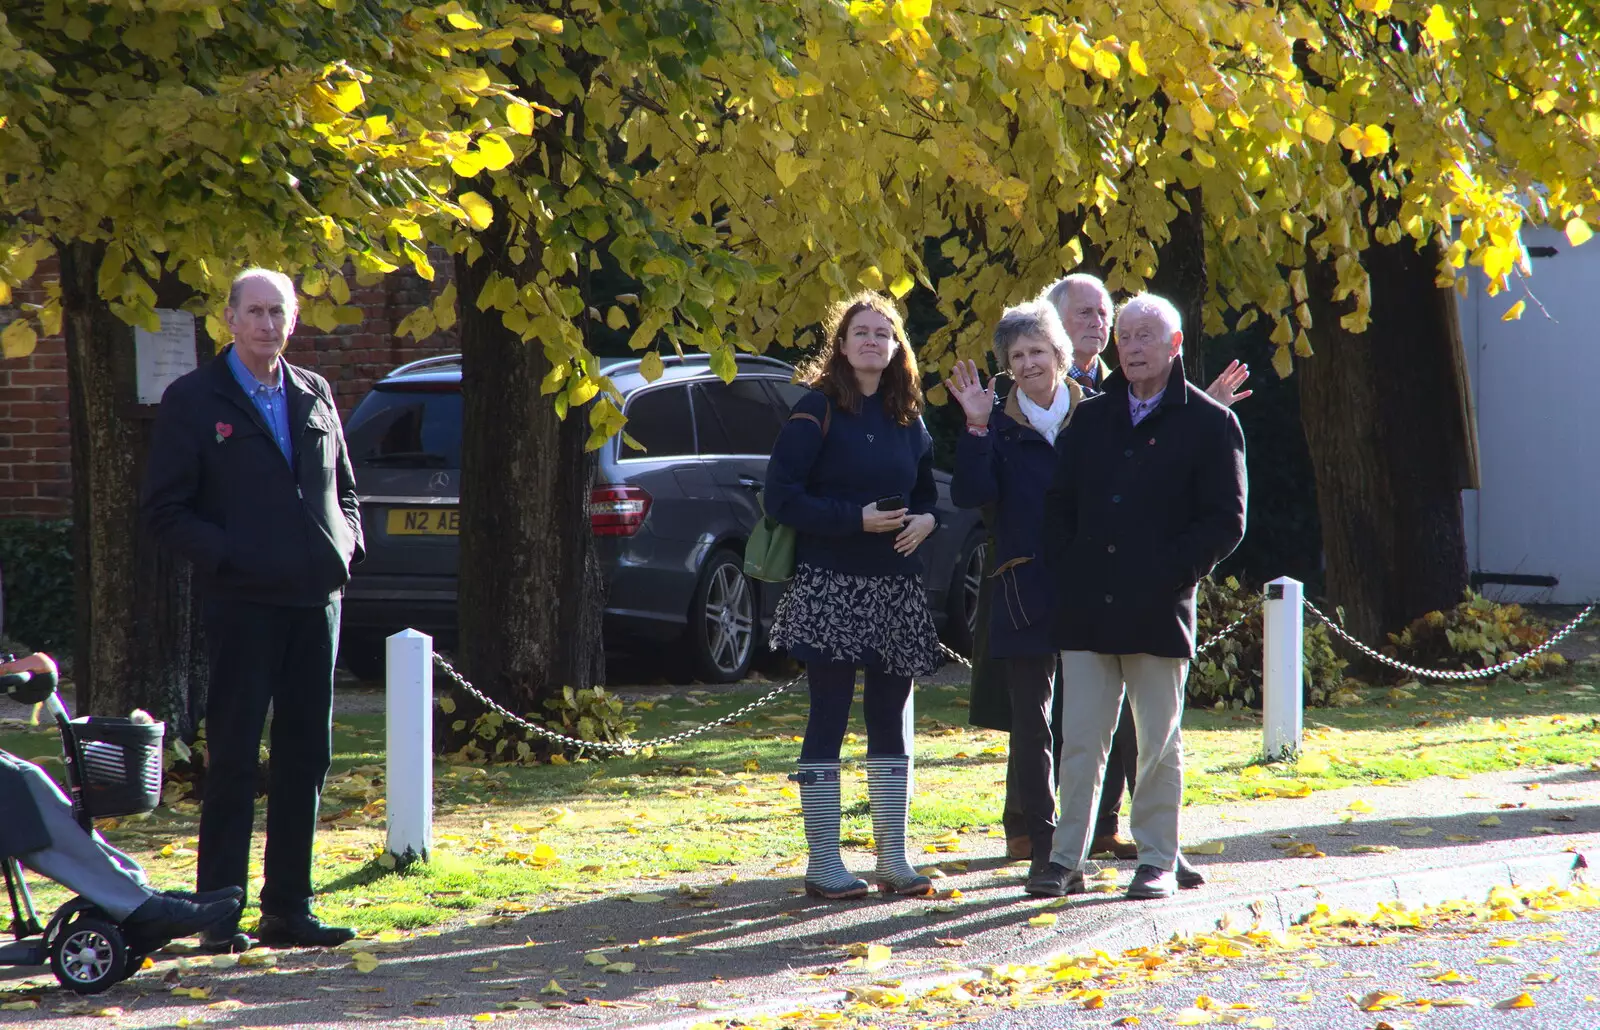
<point x="894" y="502"/>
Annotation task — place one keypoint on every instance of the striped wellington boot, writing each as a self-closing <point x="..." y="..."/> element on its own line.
<point x="826" y="875"/>
<point x="891" y="807"/>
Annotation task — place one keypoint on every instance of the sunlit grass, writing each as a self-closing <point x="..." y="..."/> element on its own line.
<point x="517" y="838"/>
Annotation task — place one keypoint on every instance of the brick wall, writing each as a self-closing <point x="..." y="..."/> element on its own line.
<point x="35" y="448"/>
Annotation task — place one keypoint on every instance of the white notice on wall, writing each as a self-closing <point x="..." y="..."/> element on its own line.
<point x="164" y="356"/>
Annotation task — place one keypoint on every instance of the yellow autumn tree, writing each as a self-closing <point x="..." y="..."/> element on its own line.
<point x="154" y="149"/>
<point x="746" y="162"/>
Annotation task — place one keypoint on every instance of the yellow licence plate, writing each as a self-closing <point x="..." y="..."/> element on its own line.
<point x="424" y="521"/>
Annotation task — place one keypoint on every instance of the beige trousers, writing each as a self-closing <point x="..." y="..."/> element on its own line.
<point x="1092" y="688"/>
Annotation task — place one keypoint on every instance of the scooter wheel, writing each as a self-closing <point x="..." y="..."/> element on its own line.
<point x="89" y="955"/>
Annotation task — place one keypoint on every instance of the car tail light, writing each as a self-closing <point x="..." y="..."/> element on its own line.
<point x="617" y="510"/>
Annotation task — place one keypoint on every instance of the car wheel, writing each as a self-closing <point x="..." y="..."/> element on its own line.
<point x="362" y="656"/>
<point x="722" y="620"/>
<point x="961" y="601"/>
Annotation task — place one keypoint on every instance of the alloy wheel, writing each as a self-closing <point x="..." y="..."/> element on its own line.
<point x="971" y="583"/>
<point x="729" y="619"/>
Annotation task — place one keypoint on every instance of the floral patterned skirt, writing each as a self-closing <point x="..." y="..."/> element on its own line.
<point x="877" y="621"/>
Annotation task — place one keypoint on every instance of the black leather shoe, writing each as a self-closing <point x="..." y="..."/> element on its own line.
<point x="1055" y="881"/>
<point x="300" y="930"/>
<point x="218" y="941"/>
<point x="1188" y="876"/>
<point x="161" y="919"/>
<point x="1151" y="882"/>
<point x="206" y="897"/>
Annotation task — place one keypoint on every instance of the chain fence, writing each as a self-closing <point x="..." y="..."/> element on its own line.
<point x="632" y="746"/>
<point x="1228" y="631"/>
<point x="626" y="747"/>
<point x="1441" y="674"/>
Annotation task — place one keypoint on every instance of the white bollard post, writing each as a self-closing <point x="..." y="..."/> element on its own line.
<point x="409" y="706"/>
<point x="1283" y="668"/>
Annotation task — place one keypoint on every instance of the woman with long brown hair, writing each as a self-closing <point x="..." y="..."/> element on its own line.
<point x="852" y="472"/>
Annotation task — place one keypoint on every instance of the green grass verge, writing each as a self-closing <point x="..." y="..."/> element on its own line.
<point x="511" y="839"/>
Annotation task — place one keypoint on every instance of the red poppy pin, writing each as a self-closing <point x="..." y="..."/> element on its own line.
<point x="223" y="431"/>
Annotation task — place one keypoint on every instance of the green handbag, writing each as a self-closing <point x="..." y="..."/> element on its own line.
<point x="769" y="553"/>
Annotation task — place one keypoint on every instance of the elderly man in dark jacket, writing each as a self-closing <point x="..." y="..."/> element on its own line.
<point x="249" y="479"/>
<point x="1127" y="547"/>
<point x="37" y="828"/>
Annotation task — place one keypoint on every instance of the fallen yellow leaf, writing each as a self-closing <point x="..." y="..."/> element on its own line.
<point x="1043" y="919"/>
<point x="1521" y="1001"/>
<point x="1489" y="820"/>
<point x="1210" y="847"/>
<point x="869" y="957"/>
<point x="364" y="962"/>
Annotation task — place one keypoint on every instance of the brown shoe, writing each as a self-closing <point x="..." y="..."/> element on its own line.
<point x="1019" y="847"/>
<point x="1115" y="844"/>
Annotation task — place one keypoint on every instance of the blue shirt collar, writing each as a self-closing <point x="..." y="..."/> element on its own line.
<point x="247" y="380"/>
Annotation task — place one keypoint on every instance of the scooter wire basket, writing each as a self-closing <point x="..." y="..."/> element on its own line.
<point x="117" y="766"/>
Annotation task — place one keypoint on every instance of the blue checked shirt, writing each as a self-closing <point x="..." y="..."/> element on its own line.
<point x="271" y="401"/>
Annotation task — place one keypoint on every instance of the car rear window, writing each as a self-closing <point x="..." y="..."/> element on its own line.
<point x="740" y="417"/>
<point x="399" y="428"/>
<point x="659" y="419"/>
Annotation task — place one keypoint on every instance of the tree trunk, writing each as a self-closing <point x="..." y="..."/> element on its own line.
<point x="136" y="642"/>
<point x="1384" y="420"/>
<point x="530" y="595"/>
<point x="1181" y="278"/>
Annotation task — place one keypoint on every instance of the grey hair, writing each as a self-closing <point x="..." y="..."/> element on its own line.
<point x="284" y="284"/>
<point x="1151" y="304"/>
<point x="1035" y="318"/>
<point x="1056" y="293"/>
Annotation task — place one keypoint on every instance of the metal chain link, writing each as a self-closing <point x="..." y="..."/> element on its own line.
<point x="1235" y="624"/>
<point x="630" y="746"/>
<point x="1438" y="674"/>
<point x="622" y="747"/>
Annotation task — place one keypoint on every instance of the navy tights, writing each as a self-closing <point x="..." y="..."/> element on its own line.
<point x="833" y="687"/>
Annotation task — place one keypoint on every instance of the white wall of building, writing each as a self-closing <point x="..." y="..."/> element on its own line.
<point x="1536" y="387"/>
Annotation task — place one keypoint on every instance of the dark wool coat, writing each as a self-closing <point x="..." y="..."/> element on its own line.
<point x="1006" y="471"/>
<point x="1136" y="516"/>
<point x="218" y="491"/>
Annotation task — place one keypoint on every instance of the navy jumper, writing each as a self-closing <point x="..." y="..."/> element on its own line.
<point x="819" y="486"/>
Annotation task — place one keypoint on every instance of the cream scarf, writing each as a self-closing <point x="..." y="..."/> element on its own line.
<point x="1047" y="421"/>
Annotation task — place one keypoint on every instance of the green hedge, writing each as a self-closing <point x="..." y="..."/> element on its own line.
<point x="36" y="575"/>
